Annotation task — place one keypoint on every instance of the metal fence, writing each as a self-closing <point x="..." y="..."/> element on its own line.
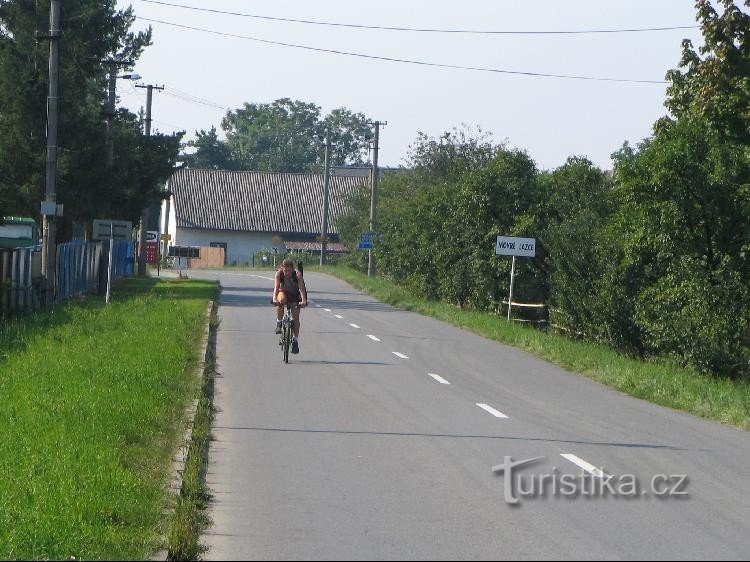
<point x="77" y="268"/>
<point x="81" y="268"/>
<point x="20" y="279"/>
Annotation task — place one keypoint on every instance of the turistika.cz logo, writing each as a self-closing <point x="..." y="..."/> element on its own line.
<point x="586" y="484"/>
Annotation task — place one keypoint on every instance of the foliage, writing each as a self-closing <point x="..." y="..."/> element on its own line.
<point x="439" y="223"/>
<point x="577" y="202"/>
<point x="717" y="86"/>
<point x="287" y="136"/>
<point x="93" y="33"/>
<point x="684" y="222"/>
<point x="211" y="152"/>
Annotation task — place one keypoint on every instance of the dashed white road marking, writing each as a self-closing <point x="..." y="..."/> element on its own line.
<point x="373" y="338"/>
<point x="438" y="378"/>
<point x="354" y="326"/>
<point x="588" y="467"/>
<point x="262" y="277"/>
<point x="401" y="355"/>
<point x="339" y="316"/>
<point x="492" y="411"/>
<point x="327" y="309"/>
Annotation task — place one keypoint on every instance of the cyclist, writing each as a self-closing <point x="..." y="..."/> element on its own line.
<point x="289" y="286"/>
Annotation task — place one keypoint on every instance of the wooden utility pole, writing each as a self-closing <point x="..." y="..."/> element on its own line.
<point x="326" y="188"/>
<point x="371" y="268"/>
<point x="49" y="206"/>
<point x="144" y="214"/>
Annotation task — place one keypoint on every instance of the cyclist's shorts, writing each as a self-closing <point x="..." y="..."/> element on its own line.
<point x="291" y="296"/>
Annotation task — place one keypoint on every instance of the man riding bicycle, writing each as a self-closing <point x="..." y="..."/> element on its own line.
<point x="289" y="287"/>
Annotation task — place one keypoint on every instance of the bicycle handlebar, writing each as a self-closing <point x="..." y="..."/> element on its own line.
<point x="297" y="304"/>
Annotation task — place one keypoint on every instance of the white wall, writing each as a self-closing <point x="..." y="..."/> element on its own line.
<point x="241" y="246"/>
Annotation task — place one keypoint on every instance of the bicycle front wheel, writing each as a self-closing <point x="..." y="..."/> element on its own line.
<point x="287" y="342"/>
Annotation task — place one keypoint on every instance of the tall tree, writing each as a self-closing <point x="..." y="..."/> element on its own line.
<point x="286" y="136"/>
<point x="211" y="152"/>
<point x="94" y="31"/>
<point x="716" y="85"/>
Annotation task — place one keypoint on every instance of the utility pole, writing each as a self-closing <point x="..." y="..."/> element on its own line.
<point x="49" y="206"/>
<point x="371" y="269"/>
<point x="144" y="214"/>
<point x="326" y="186"/>
<point x="110" y="111"/>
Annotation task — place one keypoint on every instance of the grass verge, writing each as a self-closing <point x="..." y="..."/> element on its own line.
<point x="190" y="517"/>
<point x="720" y="399"/>
<point x="94" y="398"/>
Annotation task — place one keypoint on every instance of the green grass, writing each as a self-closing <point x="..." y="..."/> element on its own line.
<point x="720" y="399"/>
<point x="93" y="398"/>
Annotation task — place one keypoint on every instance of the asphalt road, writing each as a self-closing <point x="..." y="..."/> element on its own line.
<point x="379" y="440"/>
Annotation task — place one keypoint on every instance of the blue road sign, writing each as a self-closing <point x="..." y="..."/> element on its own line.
<point x="365" y="240"/>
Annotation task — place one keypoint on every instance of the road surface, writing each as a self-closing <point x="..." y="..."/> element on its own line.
<point x="386" y="436"/>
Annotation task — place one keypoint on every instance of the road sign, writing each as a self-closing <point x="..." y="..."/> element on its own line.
<point x="366" y="241"/>
<point x="166" y="237"/>
<point x="121" y="230"/>
<point x="351" y="171"/>
<point x="152" y="236"/>
<point x="512" y="246"/>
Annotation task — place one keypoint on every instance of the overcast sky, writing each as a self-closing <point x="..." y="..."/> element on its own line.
<point x="551" y="118"/>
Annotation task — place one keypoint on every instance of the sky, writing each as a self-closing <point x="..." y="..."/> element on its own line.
<point x="206" y="73"/>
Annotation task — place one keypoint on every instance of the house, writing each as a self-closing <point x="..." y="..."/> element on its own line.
<point x="247" y="213"/>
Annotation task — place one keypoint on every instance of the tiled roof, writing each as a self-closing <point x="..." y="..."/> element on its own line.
<point x="258" y="201"/>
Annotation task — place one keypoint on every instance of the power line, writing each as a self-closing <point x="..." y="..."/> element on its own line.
<point x="407" y="61"/>
<point x="424" y="30"/>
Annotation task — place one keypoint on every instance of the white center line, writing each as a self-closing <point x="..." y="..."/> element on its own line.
<point x="373" y="338"/>
<point x="438" y="378"/>
<point x="492" y="411"/>
<point x="262" y="277"/>
<point x="401" y="355"/>
<point x="590" y="468"/>
<point x="327" y="309"/>
<point x="339" y="316"/>
<point x="354" y="326"/>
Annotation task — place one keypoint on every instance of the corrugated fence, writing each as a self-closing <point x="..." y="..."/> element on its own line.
<point x="81" y="269"/>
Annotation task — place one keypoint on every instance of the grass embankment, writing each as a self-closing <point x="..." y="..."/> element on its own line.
<point x="658" y="381"/>
<point x="93" y="403"/>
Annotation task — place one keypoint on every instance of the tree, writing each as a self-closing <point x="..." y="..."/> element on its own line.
<point x="577" y="204"/>
<point x="717" y="86"/>
<point x="683" y="219"/>
<point x="93" y="32"/>
<point x="439" y="222"/>
<point x="286" y="136"/>
<point x="211" y="154"/>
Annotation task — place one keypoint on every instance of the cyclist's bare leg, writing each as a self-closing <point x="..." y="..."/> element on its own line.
<point x="280" y="297"/>
<point x="295" y="316"/>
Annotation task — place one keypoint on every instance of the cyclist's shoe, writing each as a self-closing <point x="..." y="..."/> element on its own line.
<point x="295" y="346"/>
<point x="278" y="327"/>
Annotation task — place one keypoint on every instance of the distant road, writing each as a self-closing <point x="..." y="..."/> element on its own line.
<point x="378" y="441"/>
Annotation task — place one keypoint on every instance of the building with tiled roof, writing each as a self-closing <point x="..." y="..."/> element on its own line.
<point x="251" y="212"/>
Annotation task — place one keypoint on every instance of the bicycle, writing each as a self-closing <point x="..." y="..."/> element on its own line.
<point x="287" y="325"/>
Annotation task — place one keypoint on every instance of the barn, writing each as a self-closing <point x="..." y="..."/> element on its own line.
<point x="252" y="213"/>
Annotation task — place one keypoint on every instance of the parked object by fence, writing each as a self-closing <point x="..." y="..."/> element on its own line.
<point x="20" y="278"/>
